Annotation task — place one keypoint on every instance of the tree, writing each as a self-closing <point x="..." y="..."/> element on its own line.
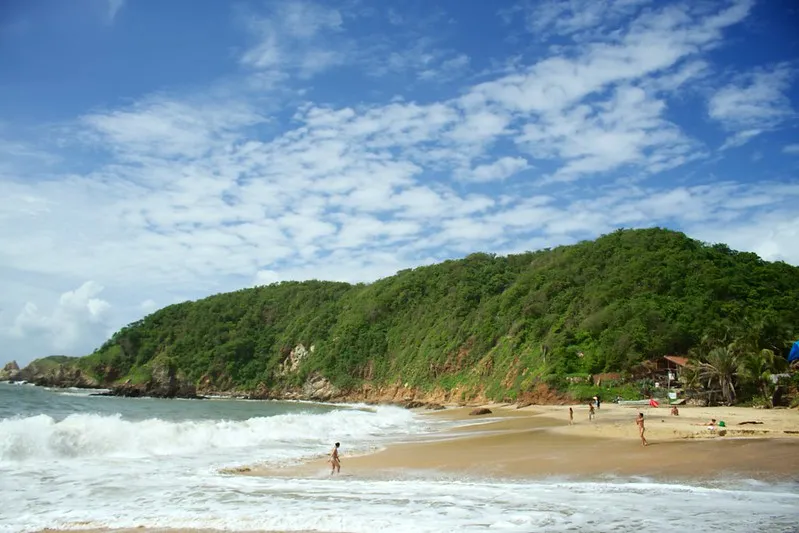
<point x="721" y="366"/>
<point x="758" y="368"/>
<point x="621" y="299"/>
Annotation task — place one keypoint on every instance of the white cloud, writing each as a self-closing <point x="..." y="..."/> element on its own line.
<point x="754" y="103"/>
<point x="499" y="170"/>
<point x="563" y="105"/>
<point x="627" y="129"/>
<point x="653" y="43"/>
<point x="159" y="126"/>
<point x="290" y="38"/>
<point x="576" y="17"/>
<point x="198" y="194"/>
<point x="266" y="277"/>
<point x="113" y="9"/>
<point x="77" y="313"/>
<point x="791" y="149"/>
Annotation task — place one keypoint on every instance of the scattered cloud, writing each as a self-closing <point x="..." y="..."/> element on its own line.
<point x="575" y="18"/>
<point x="792" y="149"/>
<point x="164" y="127"/>
<point x="627" y="129"/>
<point x="423" y="57"/>
<point x="294" y="37"/>
<point x="499" y="170"/>
<point x="182" y="195"/>
<point x="753" y="104"/>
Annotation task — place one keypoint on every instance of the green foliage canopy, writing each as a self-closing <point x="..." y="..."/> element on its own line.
<point x="499" y="323"/>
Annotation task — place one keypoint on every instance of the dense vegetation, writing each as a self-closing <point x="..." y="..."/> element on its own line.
<point x="497" y="323"/>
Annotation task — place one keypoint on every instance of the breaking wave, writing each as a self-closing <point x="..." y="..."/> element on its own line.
<point x="92" y="435"/>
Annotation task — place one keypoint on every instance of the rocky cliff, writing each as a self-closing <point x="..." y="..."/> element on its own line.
<point x="55" y="371"/>
<point x="9" y="372"/>
<point x="165" y="382"/>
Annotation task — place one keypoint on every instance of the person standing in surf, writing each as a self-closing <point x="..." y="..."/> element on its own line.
<point x="640" y="423"/>
<point x="335" y="460"/>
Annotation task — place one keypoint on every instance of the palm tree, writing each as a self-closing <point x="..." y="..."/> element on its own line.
<point x="758" y="368"/>
<point x="721" y="365"/>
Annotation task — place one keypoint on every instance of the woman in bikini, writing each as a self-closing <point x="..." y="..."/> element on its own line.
<point x="640" y="423"/>
<point x="335" y="461"/>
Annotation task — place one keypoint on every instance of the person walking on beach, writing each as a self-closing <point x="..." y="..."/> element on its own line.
<point x="590" y="410"/>
<point x="335" y="461"/>
<point x="571" y="416"/>
<point x="640" y="423"/>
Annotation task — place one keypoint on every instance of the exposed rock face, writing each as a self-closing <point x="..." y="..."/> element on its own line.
<point x="431" y="406"/>
<point x="9" y="371"/>
<point x="319" y="388"/>
<point x="261" y="392"/>
<point x="292" y="362"/>
<point x="67" y="377"/>
<point x="166" y="382"/>
<point x="55" y="376"/>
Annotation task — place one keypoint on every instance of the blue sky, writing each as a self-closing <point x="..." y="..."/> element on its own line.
<point x="154" y="152"/>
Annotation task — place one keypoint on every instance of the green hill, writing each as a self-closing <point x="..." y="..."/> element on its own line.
<point x="497" y="325"/>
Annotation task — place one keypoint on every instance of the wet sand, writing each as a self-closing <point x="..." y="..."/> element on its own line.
<point x="538" y="442"/>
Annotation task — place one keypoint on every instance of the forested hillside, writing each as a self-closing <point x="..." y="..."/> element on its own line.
<point x="500" y="324"/>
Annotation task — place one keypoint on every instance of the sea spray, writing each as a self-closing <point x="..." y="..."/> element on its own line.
<point x="81" y="462"/>
<point x="97" y="436"/>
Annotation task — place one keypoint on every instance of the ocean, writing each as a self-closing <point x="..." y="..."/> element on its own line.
<point x="70" y="460"/>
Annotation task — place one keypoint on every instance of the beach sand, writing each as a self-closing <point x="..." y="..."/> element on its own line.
<point x="537" y="441"/>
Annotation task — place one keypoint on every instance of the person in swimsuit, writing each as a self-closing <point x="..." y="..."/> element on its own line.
<point x="590" y="410"/>
<point x="640" y="423"/>
<point x="571" y="416"/>
<point x="335" y="461"/>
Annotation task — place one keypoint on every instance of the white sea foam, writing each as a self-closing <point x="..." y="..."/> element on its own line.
<point x="97" y="436"/>
<point x="93" y="470"/>
<point x="419" y="505"/>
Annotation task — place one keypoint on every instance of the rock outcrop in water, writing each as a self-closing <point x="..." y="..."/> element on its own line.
<point x="56" y="371"/>
<point x="9" y="371"/>
<point x="166" y="382"/>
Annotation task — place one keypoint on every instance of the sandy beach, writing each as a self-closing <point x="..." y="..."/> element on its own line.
<point x="537" y="441"/>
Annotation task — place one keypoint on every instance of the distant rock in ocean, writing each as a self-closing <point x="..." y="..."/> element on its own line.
<point x="9" y="371"/>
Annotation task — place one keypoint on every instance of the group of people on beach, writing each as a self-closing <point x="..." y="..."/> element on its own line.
<point x="591" y="411"/>
<point x="335" y="459"/>
<point x="639" y="421"/>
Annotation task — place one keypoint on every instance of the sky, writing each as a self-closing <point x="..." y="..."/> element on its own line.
<point x="153" y="152"/>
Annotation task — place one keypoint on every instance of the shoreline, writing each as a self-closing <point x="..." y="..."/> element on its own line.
<point x="536" y="442"/>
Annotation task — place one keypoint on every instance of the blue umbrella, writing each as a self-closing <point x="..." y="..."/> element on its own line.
<point x="794" y="355"/>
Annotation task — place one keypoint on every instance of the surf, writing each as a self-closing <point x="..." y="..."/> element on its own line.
<point x="98" y="436"/>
